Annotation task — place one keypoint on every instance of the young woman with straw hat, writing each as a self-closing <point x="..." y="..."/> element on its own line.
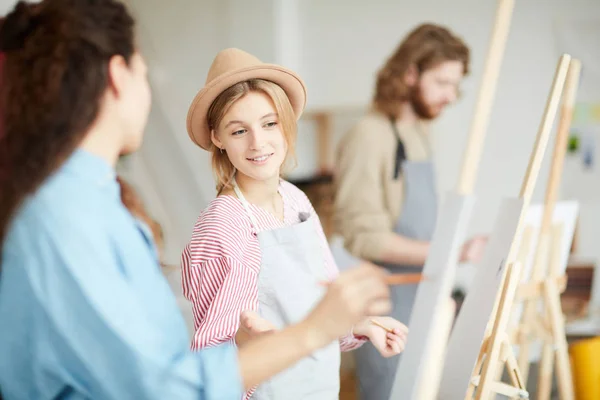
<point x="258" y="259"/>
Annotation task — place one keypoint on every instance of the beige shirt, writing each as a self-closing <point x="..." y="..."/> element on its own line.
<point x="368" y="199"/>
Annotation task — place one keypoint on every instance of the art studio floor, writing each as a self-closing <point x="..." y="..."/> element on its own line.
<point x="348" y="386"/>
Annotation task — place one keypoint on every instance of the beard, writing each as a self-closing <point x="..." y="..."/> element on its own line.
<point x="423" y="109"/>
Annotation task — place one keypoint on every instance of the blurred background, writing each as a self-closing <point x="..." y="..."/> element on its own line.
<point x="337" y="47"/>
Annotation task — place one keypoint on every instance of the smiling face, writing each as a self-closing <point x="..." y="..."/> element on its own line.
<point x="253" y="132"/>
<point x="252" y="135"/>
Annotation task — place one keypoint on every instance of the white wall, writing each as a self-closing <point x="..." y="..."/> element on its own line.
<point x="359" y="37"/>
<point x="5" y="6"/>
<point x="178" y="44"/>
<point x="337" y="48"/>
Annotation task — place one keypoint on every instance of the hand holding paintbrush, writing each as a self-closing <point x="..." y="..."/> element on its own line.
<point x="387" y="334"/>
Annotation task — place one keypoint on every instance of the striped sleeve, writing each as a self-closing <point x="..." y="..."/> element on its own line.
<point x="301" y="202"/>
<point x="219" y="274"/>
<point x="227" y="290"/>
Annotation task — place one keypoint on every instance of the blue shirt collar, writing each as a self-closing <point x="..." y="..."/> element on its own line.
<point x="93" y="169"/>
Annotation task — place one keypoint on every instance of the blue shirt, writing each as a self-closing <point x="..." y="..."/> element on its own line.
<point x="85" y="311"/>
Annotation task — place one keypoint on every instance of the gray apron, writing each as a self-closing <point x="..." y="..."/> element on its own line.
<point x="291" y="268"/>
<point x="375" y="374"/>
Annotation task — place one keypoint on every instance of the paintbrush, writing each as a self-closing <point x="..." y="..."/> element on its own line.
<point x="385" y="328"/>
<point x="395" y="279"/>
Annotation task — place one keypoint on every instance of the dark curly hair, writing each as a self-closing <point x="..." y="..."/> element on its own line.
<point x="425" y="47"/>
<point x="54" y="73"/>
<point x="135" y="205"/>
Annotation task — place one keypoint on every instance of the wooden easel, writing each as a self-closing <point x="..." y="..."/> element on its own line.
<point x="421" y="365"/>
<point x="546" y="282"/>
<point x="496" y="348"/>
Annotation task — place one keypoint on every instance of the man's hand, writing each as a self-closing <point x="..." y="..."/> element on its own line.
<point x="472" y="250"/>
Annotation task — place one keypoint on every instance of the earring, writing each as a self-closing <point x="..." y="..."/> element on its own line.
<point x="220" y="148"/>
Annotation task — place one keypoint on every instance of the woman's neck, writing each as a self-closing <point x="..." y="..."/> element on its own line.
<point x="264" y="194"/>
<point x="103" y="141"/>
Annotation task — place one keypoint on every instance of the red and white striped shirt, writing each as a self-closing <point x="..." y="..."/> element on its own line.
<point x="220" y="264"/>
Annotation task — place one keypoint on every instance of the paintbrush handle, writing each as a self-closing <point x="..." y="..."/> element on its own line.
<point x="403" y="279"/>
<point x="385" y="328"/>
<point x="394" y="279"/>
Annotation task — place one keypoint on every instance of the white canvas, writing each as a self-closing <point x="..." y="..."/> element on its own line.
<point x="433" y="292"/>
<point x="565" y="213"/>
<point x="469" y="329"/>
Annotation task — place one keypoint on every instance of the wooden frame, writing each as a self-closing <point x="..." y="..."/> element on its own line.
<point x="547" y="277"/>
<point x="480" y="341"/>
<point x="433" y="312"/>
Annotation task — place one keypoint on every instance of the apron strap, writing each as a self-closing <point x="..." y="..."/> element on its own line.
<point x="400" y="151"/>
<point x="246" y="205"/>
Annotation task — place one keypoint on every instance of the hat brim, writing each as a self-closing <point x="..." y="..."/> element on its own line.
<point x="197" y="123"/>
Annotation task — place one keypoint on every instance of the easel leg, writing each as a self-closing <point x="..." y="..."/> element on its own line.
<point x="477" y="369"/>
<point x="524" y="354"/>
<point x="498" y="336"/>
<point x="556" y="321"/>
<point x="524" y="329"/>
<point x="530" y="312"/>
<point x="545" y="375"/>
<point x="563" y="366"/>
<point x="512" y="366"/>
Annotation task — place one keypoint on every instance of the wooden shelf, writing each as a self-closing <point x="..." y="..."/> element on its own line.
<point x="323" y="118"/>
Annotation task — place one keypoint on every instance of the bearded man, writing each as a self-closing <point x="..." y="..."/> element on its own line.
<point x="385" y="206"/>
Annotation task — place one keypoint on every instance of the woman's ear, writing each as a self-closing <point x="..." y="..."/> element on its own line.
<point x="215" y="139"/>
<point x="118" y="71"/>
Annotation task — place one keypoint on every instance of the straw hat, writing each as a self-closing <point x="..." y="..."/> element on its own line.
<point x="232" y="66"/>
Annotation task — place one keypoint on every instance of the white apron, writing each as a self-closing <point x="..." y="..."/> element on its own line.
<point x="291" y="268"/>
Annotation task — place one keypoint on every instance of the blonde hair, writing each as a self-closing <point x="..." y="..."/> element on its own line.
<point x="223" y="168"/>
